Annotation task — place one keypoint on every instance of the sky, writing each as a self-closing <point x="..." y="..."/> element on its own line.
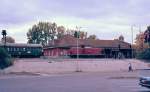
<point x="108" y="19"/>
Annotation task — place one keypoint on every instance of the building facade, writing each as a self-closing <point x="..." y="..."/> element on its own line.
<point x="104" y="48"/>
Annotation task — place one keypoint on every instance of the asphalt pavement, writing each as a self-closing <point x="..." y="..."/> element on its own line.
<point x="73" y="82"/>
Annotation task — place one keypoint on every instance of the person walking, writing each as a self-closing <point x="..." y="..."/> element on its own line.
<point x="130" y="67"/>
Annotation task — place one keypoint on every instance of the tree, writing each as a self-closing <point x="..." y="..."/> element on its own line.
<point x="139" y="43"/>
<point x="42" y="33"/>
<point x="60" y="31"/>
<point x="45" y="33"/>
<point x="121" y="38"/>
<point x="144" y="55"/>
<point x="92" y="37"/>
<point x="82" y="35"/>
<point x="147" y="35"/>
<point x="70" y="32"/>
<point x="75" y="33"/>
<point x="141" y="40"/>
<point x="8" y="39"/>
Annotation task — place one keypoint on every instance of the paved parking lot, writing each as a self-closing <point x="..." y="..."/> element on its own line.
<point x="71" y="65"/>
<point x="73" y="82"/>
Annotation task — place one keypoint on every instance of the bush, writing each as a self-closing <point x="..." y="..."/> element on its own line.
<point x="144" y="55"/>
<point x="5" y="59"/>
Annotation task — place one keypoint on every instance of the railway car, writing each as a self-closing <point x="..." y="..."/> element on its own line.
<point x="89" y="52"/>
<point x="23" y="50"/>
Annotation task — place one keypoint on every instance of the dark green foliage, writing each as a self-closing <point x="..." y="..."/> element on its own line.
<point x="5" y="59"/>
<point x="42" y="33"/>
<point x="144" y="55"/>
<point x="147" y="35"/>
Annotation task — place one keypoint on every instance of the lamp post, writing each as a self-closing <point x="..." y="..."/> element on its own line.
<point x="132" y="41"/>
<point x="132" y="37"/>
<point x="4" y="33"/>
<point x="77" y="37"/>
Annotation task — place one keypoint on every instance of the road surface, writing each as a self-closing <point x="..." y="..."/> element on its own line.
<point x="75" y="82"/>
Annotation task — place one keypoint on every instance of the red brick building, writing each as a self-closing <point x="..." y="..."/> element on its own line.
<point x="109" y="48"/>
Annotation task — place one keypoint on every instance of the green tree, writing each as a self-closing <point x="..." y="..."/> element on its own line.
<point x="147" y="36"/>
<point x="42" y="33"/>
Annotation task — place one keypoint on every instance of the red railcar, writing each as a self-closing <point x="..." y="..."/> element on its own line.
<point x="86" y="52"/>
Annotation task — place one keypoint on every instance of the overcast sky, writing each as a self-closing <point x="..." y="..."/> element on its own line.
<point x="106" y="18"/>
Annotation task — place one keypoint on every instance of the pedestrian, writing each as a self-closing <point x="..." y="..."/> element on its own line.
<point x="130" y="67"/>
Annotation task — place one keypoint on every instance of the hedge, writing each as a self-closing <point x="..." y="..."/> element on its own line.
<point x="144" y="55"/>
<point x="5" y="59"/>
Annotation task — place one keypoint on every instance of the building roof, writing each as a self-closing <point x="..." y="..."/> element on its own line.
<point x="21" y="45"/>
<point x="70" y="41"/>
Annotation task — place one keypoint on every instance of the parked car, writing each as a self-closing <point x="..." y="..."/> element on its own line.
<point x="144" y="79"/>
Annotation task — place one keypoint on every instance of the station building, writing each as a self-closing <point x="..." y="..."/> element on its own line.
<point x="108" y="48"/>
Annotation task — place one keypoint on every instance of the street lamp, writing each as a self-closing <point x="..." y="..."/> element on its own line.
<point x="132" y="40"/>
<point x="132" y="29"/>
<point x="77" y="37"/>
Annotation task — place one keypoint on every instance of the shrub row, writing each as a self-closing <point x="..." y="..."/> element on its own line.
<point x="5" y="59"/>
<point x="144" y="54"/>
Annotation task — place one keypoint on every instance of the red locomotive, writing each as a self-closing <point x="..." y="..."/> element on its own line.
<point x="86" y="52"/>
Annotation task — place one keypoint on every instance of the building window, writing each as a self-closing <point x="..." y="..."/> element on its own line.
<point x="24" y="49"/>
<point x="14" y="49"/>
<point x="17" y="49"/>
<point x="61" y="53"/>
<point x="52" y="53"/>
<point x="49" y="53"/>
<point x="8" y="49"/>
<point x="21" y="49"/>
